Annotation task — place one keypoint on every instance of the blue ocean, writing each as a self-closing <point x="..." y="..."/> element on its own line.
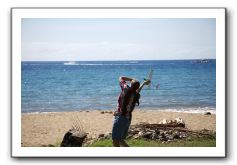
<point x="177" y="85"/>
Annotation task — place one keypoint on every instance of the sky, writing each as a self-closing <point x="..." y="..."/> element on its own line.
<point x="90" y="39"/>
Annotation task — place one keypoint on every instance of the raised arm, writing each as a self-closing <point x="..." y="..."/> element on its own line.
<point x="123" y="78"/>
<point x="146" y="82"/>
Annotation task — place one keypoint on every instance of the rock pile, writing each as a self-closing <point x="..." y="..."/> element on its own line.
<point x="166" y="130"/>
<point x="157" y="134"/>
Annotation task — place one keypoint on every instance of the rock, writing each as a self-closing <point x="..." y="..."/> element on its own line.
<point x="207" y="113"/>
<point x="162" y="134"/>
<point x="73" y="138"/>
<point x="154" y="136"/>
<point x="102" y="112"/>
<point x="170" y="137"/>
<point x="157" y="131"/>
<point x="147" y="135"/>
<point x="164" y="121"/>
<point x="183" y="135"/>
<point x="136" y="136"/>
<point x="163" y="139"/>
<point x="176" y="135"/>
<point x="101" y="135"/>
<point x="165" y="132"/>
<point x="170" y="132"/>
<point x="107" y="135"/>
<point x="180" y="122"/>
<point x="140" y="133"/>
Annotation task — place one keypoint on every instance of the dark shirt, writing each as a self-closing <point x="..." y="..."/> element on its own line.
<point x="125" y="100"/>
<point x="124" y="87"/>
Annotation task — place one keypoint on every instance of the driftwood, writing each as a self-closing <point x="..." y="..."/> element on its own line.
<point x="152" y="126"/>
<point x="169" y="131"/>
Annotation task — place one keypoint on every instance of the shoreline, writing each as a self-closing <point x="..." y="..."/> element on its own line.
<point x="183" y="110"/>
<point x="46" y="128"/>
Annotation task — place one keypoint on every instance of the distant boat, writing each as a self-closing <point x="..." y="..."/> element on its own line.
<point x="70" y="63"/>
<point x="200" y="61"/>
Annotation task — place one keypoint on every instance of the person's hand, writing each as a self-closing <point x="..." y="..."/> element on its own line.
<point x="147" y="82"/>
<point x="115" y="113"/>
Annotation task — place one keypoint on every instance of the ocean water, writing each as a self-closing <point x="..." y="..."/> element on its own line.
<point x="184" y="85"/>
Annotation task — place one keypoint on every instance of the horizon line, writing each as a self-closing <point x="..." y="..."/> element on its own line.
<point x="116" y="60"/>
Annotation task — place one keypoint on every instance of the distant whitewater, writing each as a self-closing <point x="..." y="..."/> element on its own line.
<point x="184" y="85"/>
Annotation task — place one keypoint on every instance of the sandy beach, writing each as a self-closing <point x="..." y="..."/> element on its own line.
<point x="49" y="128"/>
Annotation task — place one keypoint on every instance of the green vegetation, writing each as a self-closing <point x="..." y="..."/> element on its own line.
<point x="193" y="142"/>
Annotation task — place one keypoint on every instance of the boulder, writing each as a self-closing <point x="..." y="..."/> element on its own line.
<point x="73" y="138"/>
<point x="207" y="113"/>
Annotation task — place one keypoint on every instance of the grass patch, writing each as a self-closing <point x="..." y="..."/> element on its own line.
<point x="193" y="142"/>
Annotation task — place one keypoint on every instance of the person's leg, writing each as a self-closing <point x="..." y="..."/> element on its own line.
<point x="117" y="131"/>
<point x="123" y="143"/>
<point x="125" y="133"/>
<point x="116" y="143"/>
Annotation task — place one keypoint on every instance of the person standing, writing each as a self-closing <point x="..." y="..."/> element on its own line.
<point x="127" y="100"/>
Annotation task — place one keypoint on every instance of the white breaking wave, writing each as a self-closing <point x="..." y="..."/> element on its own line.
<point x="185" y="110"/>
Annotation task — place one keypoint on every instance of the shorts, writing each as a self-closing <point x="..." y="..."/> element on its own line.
<point x="120" y="127"/>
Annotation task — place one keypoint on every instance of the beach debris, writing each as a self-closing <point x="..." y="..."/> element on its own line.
<point x="108" y="135"/>
<point x="207" y="113"/>
<point x="164" y="121"/>
<point x="101" y="135"/>
<point x="171" y="130"/>
<point x="103" y="112"/>
<point x="73" y="138"/>
<point x="178" y="122"/>
<point x="164" y="131"/>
